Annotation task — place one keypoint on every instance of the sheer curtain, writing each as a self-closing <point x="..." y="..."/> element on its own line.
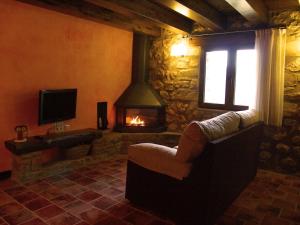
<point x="270" y="46"/>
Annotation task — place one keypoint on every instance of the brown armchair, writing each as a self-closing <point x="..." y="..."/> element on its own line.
<point x="207" y="184"/>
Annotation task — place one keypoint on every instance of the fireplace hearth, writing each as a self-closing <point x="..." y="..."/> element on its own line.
<point x="140" y="108"/>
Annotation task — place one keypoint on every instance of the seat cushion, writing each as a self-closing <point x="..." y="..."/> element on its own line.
<point x="158" y="158"/>
<point x="191" y="142"/>
<point x="248" y="117"/>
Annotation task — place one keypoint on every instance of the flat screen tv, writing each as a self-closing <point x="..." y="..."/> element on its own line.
<point x="57" y="105"/>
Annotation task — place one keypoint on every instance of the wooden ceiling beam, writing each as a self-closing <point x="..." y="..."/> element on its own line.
<point x="198" y="11"/>
<point x="161" y="16"/>
<point x="87" y="10"/>
<point x="148" y="11"/>
<point x="253" y="10"/>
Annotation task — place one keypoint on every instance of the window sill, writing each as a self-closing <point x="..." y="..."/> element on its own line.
<point x="221" y="108"/>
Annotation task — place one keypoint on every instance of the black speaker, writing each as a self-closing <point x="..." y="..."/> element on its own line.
<point x="102" y="115"/>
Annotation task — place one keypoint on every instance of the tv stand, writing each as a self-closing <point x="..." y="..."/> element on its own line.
<point x="61" y="140"/>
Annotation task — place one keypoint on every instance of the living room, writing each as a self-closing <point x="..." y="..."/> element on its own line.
<point x="104" y="48"/>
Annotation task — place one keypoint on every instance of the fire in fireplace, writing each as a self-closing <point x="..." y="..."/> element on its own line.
<point x="140" y="108"/>
<point x="134" y="121"/>
<point x="140" y="119"/>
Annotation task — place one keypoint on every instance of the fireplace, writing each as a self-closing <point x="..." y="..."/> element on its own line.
<point x="140" y="108"/>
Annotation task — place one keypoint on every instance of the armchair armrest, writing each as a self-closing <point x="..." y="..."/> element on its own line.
<point x="158" y="158"/>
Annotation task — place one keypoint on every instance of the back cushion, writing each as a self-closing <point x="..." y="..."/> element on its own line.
<point x="248" y="117"/>
<point x="191" y="143"/>
<point x="220" y="126"/>
<point x="196" y="134"/>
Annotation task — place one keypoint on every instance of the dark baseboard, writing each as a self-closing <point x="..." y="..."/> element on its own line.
<point x="5" y="175"/>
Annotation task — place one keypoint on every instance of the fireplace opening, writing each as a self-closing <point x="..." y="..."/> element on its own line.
<point x="140" y="119"/>
<point x="140" y="108"/>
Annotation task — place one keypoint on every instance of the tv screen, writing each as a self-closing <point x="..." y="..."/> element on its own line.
<point x="57" y="105"/>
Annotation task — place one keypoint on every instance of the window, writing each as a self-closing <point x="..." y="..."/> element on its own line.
<point x="244" y="76"/>
<point x="215" y="77"/>
<point x="228" y="73"/>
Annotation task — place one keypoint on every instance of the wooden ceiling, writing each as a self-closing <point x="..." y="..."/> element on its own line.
<point x="180" y="16"/>
<point x="282" y="4"/>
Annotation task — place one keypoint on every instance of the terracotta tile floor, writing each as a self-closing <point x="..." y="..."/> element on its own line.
<point x="95" y="195"/>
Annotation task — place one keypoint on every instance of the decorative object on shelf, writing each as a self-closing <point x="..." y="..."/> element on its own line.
<point x="58" y="128"/>
<point x="21" y="133"/>
<point x="102" y="121"/>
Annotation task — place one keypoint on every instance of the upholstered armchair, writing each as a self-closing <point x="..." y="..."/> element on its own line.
<point x="195" y="182"/>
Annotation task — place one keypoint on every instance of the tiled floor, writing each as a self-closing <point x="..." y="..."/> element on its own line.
<point x="95" y="195"/>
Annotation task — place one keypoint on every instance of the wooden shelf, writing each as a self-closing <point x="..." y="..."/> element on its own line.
<point x="64" y="140"/>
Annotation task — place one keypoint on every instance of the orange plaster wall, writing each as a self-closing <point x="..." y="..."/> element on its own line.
<point x="43" y="49"/>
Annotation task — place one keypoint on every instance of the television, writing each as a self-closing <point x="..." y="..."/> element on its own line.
<point x="57" y="105"/>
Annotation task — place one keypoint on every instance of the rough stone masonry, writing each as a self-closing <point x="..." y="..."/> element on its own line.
<point x="177" y="81"/>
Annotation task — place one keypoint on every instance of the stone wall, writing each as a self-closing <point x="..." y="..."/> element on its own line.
<point x="177" y="80"/>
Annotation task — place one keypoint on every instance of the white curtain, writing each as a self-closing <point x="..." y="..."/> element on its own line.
<point x="270" y="46"/>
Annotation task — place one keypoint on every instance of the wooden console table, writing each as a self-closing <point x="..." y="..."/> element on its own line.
<point x="63" y="140"/>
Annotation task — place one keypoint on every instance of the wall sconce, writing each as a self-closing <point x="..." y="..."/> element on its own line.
<point x="298" y="45"/>
<point x="180" y="48"/>
<point x="293" y="48"/>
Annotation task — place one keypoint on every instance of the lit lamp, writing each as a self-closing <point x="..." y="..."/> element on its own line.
<point x="180" y="48"/>
<point x="293" y="48"/>
<point x="298" y="44"/>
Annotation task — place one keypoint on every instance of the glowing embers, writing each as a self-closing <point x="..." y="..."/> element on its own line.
<point x="134" y="121"/>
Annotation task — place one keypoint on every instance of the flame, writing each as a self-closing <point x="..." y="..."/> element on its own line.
<point x="136" y="121"/>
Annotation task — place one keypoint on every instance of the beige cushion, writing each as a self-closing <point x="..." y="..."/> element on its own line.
<point x="220" y="126"/>
<point x="248" y="117"/>
<point x="191" y="142"/>
<point x="158" y="158"/>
